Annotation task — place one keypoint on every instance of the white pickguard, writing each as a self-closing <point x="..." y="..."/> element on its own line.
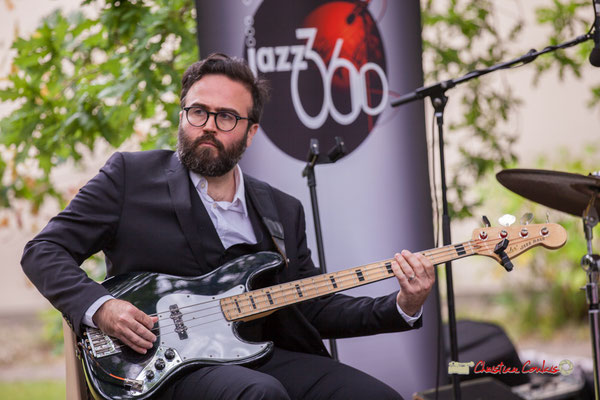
<point x="210" y="336"/>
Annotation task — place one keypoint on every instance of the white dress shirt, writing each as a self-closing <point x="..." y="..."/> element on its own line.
<point x="230" y="219"/>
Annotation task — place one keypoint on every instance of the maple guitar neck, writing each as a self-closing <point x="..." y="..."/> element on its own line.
<point x="517" y="240"/>
<point x="263" y="301"/>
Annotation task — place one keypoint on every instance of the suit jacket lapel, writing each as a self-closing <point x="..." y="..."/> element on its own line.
<point x="179" y="188"/>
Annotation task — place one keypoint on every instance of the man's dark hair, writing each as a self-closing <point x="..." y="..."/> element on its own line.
<point x="235" y="69"/>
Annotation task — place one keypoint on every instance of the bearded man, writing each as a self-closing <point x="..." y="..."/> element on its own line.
<point x="188" y="212"/>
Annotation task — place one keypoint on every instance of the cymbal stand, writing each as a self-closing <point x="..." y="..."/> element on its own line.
<point x="590" y="264"/>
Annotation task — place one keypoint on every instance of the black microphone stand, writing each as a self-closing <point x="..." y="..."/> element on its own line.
<point x="314" y="157"/>
<point x="437" y="94"/>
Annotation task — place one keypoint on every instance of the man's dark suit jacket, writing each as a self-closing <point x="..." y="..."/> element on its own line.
<point x="138" y="211"/>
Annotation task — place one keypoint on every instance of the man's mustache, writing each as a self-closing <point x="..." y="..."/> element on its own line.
<point x="208" y="139"/>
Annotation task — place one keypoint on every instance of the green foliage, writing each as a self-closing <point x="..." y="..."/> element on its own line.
<point x="450" y="32"/>
<point x="550" y="297"/>
<point x="78" y="80"/>
<point x="567" y="20"/>
<point x="449" y="35"/>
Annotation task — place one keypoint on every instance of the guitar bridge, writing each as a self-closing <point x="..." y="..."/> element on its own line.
<point x="100" y="344"/>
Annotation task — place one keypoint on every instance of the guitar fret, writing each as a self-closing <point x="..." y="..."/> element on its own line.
<point x="375" y="273"/>
<point x="284" y="293"/>
<point x="226" y="309"/>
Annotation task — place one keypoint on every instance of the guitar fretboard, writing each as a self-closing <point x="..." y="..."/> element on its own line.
<point x="268" y="299"/>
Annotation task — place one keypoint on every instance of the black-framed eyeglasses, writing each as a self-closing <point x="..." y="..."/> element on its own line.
<point x="226" y="121"/>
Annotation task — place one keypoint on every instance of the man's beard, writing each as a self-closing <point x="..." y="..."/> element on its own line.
<point x="200" y="160"/>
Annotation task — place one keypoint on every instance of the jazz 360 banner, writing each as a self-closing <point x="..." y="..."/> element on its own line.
<point x="334" y="67"/>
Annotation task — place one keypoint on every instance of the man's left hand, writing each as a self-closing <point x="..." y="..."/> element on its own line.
<point x="416" y="276"/>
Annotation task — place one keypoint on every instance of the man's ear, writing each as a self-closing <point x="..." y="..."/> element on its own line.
<point x="251" y="132"/>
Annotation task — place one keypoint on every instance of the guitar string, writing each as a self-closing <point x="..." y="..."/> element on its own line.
<point x="279" y="293"/>
<point x="122" y="345"/>
<point x="291" y="290"/>
<point x="278" y="289"/>
<point x="219" y="312"/>
<point x="317" y="283"/>
<point x="366" y="269"/>
<point x="433" y="254"/>
<point x="344" y="277"/>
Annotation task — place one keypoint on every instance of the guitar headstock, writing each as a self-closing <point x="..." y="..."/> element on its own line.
<point x="520" y="238"/>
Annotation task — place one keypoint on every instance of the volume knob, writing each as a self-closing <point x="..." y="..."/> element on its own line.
<point x="160" y="364"/>
<point x="149" y="375"/>
<point x="169" y="354"/>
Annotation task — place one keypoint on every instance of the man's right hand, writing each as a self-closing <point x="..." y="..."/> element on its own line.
<point x="126" y="322"/>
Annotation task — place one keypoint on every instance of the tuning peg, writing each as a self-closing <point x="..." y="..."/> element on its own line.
<point x="486" y="221"/>
<point x="526" y="218"/>
<point x="507" y="220"/>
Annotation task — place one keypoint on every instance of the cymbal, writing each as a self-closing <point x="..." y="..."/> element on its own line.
<point x="561" y="191"/>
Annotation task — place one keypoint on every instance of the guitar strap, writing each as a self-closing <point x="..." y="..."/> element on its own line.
<point x="261" y="195"/>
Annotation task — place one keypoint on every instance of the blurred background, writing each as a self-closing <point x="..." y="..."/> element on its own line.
<point x="58" y="58"/>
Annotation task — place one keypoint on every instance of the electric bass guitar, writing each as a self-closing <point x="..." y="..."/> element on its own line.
<point x="198" y="316"/>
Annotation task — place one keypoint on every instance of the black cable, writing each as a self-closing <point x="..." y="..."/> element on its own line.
<point x="117" y="380"/>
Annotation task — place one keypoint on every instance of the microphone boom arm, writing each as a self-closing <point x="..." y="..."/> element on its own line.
<point x="441" y="87"/>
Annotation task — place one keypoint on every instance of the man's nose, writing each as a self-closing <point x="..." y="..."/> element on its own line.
<point x="211" y="123"/>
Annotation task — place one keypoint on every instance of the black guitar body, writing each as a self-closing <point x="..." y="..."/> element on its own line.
<point x="192" y="329"/>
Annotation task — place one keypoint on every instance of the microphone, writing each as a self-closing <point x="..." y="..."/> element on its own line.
<point x="359" y="8"/>
<point x="595" y="54"/>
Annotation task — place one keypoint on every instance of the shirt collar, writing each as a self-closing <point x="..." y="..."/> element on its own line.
<point x="240" y="191"/>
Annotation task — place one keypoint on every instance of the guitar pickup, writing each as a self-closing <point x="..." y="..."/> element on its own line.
<point x="177" y="318"/>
